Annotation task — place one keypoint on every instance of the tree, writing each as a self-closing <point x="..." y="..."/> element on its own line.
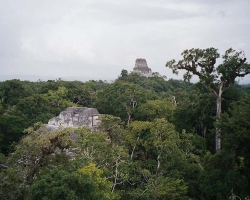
<point x="66" y="150"/>
<point x="124" y="74"/>
<point x="224" y="173"/>
<point x="159" y="158"/>
<point x="87" y="183"/>
<point x="235" y="125"/>
<point x="12" y="90"/>
<point x="11" y="130"/>
<point x="39" y="149"/>
<point x="153" y="109"/>
<point x="113" y="127"/>
<point x="201" y="62"/>
<point x="42" y="107"/>
<point x="121" y="98"/>
<point x="107" y="153"/>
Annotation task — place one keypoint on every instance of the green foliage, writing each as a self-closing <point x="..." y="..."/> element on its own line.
<point x="117" y="97"/>
<point x="1" y="109"/>
<point x="59" y="184"/>
<point x="154" y="140"/>
<point x="13" y="90"/>
<point x="11" y="187"/>
<point x="87" y="184"/>
<point x="95" y="147"/>
<point x="153" y="109"/>
<point x="163" y="189"/>
<point x="124" y="74"/>
<point x="235" y="125"/>
<point x="101" y="185"/>
<point x="163" y="157"/>
<point x="33" y="153"/>
<point x="113" y="126"/>
<point x="11" y="130"/>
<point x="221" y="176"/>
<point x="42" y="107"/>
<point x="201" y="62"/>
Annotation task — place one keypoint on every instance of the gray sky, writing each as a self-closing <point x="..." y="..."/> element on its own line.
<point x="98" y="38"/>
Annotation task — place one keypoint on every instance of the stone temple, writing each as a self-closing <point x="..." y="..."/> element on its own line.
<point x="142" y="68"/>
<point x="75" y="117"/>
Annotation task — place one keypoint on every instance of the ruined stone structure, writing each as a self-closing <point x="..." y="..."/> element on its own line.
<point x="75" y="117"/>
<point x="142" y="68"/>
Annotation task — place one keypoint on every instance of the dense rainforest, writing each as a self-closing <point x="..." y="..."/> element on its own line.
<point x="156" y="140"/>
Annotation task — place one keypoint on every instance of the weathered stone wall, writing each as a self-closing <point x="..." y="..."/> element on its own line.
<point x="76" y="117"/>
<point x="142" y="68"/>
<point x="140" y="62"/>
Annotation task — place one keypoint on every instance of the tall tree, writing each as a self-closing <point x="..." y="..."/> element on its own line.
<point x="201" y="62"/>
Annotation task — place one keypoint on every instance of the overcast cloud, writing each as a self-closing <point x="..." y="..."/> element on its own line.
<point x="96" y="39"/>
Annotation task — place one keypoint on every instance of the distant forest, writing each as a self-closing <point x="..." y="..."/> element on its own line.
<point x="161" y="140"/>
